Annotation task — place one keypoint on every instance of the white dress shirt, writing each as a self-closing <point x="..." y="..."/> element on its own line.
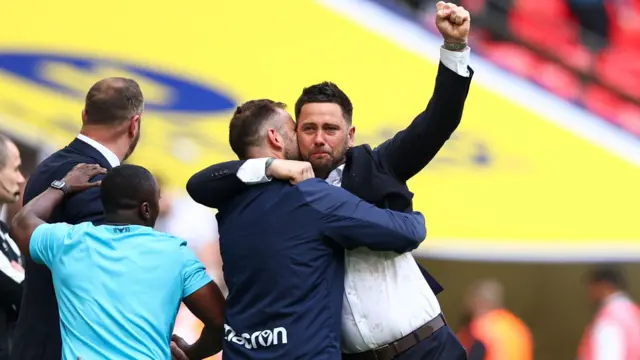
<point x="386" y="296"/>
<point x="108" y="154"/>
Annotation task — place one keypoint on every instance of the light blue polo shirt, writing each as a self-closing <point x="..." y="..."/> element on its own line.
<point x="118" y="287"/>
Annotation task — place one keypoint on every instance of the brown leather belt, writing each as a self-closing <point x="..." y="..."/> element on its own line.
<point x="390" y="351"/>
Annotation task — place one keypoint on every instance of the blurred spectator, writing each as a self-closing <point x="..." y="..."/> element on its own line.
<point x="491" y="15"/>
<point x="420" y="4"/>
<point x="11" y="271"/>
<point x="474" y="347"/>
<point x="10" y="210"/>
<point x="594" y="22"/>
<point x="503" y="334"/>
<point x="614" y="333"/>
<point x="182" y="217"/>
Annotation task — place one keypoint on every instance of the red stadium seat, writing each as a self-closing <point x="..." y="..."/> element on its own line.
<point x="629" y="117"/>
<point x="473" y="6"/>
<point x="619" y="67"/>
<point x="606" y="104"/>
<point x="547" y="24"/>
<point x="624" y="32"/>
<point x="601" y="101"/>
<point x="559" y="80"/>
<point x="512" y="57"/>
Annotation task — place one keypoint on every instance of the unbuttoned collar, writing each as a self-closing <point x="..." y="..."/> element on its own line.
<point x="335" y="177"/>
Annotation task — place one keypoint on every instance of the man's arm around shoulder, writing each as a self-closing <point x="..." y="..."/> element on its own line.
<point x="34" y="236"/>
<point x="80" y="207"/>
<point x="217" y="184"/>
<point x="220" y="183"/>
<point x="353" y="222"/>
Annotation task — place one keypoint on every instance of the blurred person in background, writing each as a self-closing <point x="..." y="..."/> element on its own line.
<point x="474" y="347"/>
<point x="181" y="216"/>
<point x="594" y="24"/>
<point x="504" y="335"/>
<point x="11" y="271"/>
<point x="110" y="131"/>
<point x="10" y="210"/>
<point x="614" y="332"/>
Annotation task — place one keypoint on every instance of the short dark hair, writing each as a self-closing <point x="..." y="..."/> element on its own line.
<point x="113" y="100"/>
<point x="611" y="274"/>
<point x="326" y="92"/>
<point x="125" y="187"/>
<point x="247" y="122"/>
<point x="4" y="150"/>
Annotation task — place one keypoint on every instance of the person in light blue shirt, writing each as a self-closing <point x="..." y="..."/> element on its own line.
<point x="119" y="285"/>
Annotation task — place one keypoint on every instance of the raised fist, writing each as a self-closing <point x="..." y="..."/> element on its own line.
<point x="453" y="22"/>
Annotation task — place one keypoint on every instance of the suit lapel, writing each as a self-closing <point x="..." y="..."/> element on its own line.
<point x="346" y="174"/>
<point x="83" y="148"/>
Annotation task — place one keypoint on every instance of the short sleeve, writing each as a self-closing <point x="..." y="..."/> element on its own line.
<point x="46" y="242"/>
<point x="194" y="274"/>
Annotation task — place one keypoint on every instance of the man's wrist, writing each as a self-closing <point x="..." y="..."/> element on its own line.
<point x="60" y="185"/>
<point x="192" y="352"/>
<point x="455" y="45"/>
<point x="267" y="166"/>
<point x="199" y="351"/>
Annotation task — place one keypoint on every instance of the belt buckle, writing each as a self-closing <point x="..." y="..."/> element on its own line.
<point x="416" y="337"/>
<point x="379" y="354"/>
<point x="394" y="346"/>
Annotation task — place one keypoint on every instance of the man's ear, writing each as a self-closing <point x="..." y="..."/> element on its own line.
<point x="134" y="125"/>
<point x="275" y="139"/>
<point x="145" y="211"/>
<point x="352" y="135"/>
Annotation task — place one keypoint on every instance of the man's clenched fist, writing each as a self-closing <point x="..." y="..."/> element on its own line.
<point x="453" y="22"/>
<point x="292" y="170"/>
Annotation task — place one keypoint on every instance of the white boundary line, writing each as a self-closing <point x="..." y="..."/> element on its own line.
<point x="414" y="38"/>
<point x="532" y="251"/>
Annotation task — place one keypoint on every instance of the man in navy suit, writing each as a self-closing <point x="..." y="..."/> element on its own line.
<point x="109" y="134"/>
<point x="283" y="248"/>
<point x="390" y="311"/>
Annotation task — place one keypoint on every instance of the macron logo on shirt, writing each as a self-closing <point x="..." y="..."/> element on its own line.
<point x="260" y="338"/>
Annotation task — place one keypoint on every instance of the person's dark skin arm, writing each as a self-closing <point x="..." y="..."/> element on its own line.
<point x="207" y="304"/>
<point x="38" y="210"/>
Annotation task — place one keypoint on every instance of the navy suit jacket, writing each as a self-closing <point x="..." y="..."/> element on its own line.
<point x="37" y="334"/>
<point x="378" y="176"/>
<point x="286" y="283"/>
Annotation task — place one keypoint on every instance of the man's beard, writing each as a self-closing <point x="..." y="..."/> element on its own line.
<point x="291" y="154"/>
<point x="322" y="170"/>
<point x="291" y="150"/>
